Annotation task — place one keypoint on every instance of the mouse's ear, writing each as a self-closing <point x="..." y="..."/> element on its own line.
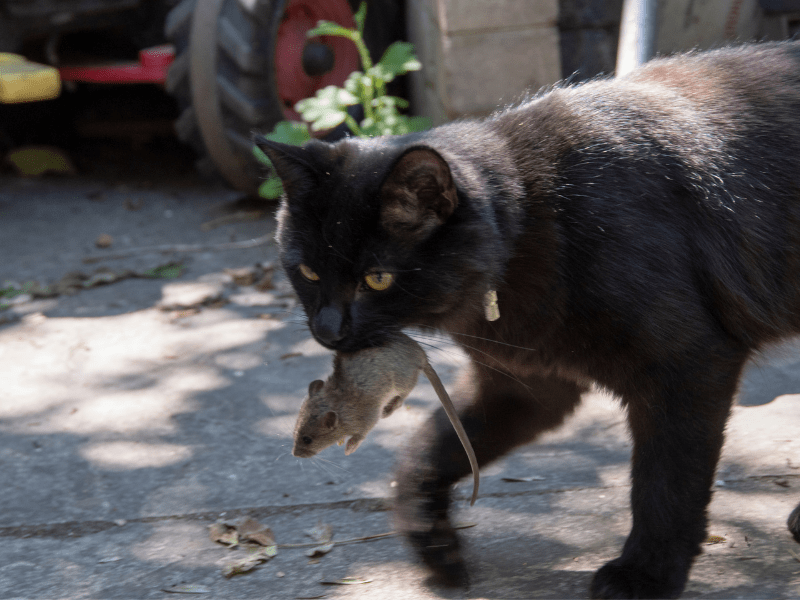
<point x="315" y="387"/>
<point x="330" y="420"/>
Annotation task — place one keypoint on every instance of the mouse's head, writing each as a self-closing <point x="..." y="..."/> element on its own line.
<point x="317" y="425"/>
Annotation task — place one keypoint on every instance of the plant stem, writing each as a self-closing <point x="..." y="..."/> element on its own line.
<point x="366" y="61"/>
<point x="353" y="125"/>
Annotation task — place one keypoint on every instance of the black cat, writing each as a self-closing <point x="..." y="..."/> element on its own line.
<point x="640" y="232"/>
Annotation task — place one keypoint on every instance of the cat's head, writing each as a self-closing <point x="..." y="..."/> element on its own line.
<point x="375" y="235"/>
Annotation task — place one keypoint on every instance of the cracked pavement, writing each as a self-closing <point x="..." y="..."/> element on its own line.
<point x="137" y="413"/>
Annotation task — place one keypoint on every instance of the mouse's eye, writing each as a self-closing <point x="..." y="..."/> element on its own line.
<point x="307" y="439"/>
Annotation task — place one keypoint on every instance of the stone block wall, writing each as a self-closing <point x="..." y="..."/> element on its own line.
<point x="478" y="55"/>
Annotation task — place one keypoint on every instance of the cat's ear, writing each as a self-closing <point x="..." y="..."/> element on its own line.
<point x="418" y="195"/>
<point x="292" y="163"/>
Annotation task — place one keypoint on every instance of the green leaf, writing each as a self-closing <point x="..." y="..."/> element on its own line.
<point x="330" y="28"/>
<point x="289" y="132"/>
<point x="261" y="157"/>
<point x="171" y="270"/>
<point x="338" y="96"/>
<point x="327" y="109"/>
<point x="329" y="98"/>
<point x="353" y="83"/>
<point x="418" y="124"/>
<point x="271" y="189"/>
<point x="398" y="59"/>
<point x="390" y="101"/>
<point x="329" y="120"/>
<point x="286" y="132"/>
<point x="361" y="17"/>
<point x="10" y="292"/>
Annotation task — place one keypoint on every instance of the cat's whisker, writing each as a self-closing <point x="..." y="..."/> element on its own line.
<point x="334" y="250"/>
<point x="407" y="292"/>
<point x="495" y="369"/>
<point x="478" y="337"/>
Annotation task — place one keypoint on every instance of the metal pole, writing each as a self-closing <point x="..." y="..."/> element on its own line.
<point x="637" y="35"/>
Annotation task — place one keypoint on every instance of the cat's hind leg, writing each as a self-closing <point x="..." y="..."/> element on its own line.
<point x="794" y="524"/>
<point x="503" y="413"/>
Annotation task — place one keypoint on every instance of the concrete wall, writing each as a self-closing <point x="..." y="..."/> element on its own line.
<point x="478" y="55"/>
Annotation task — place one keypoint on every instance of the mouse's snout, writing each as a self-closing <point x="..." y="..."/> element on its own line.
<point x="302" y="447"/>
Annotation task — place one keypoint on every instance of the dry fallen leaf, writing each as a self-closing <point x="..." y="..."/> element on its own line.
<point x="134" y="204"/>
<point x="714" y="539"/>
<point x="249" y="562"/>
<point x="322" y="533"/>
<point x="346" y="581"/>
<point x="104" y="240"/>
<point x="223" y="533"/>
<point x="265" y="283"/>
<point x="319" y="550"/>
<point x="186" y="588"/>
<point x="243" y="275"/>
<point x="251" y="530"/>
<point x="242" y="565"/>
<point x="33" y="161"/>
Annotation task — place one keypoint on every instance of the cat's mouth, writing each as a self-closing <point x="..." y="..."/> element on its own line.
<point x="326" y="344"/>
<point x="353" y="343"/>
<point x="347" y="344"/>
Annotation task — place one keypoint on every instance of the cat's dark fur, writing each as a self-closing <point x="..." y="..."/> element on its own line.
<point x="641" y="232"/>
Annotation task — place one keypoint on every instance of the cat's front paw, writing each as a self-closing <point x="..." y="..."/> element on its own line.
<point x="421" y="516"/>
<point x="440" y="550"/>
<point x="619" y="580"/>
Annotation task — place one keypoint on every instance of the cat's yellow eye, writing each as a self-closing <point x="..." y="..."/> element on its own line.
<point x="378" y="281"/>
<point x="308" y="273"/>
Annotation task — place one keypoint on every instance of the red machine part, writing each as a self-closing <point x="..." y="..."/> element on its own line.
<point x="293" y="83"/>
<point x="300" y="16"/>
<point x="151" y="68"/>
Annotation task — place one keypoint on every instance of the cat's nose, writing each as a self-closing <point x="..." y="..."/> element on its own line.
<point x="328" y="325"/>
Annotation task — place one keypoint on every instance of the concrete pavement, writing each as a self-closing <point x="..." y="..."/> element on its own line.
<point x="137" y="413"/>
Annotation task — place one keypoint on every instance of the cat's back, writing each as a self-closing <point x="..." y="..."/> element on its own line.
<point x="678" y="179"/>
<point x="695" y="102"/>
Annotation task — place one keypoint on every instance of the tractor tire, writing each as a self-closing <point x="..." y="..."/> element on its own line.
<point x="226" y="80"/>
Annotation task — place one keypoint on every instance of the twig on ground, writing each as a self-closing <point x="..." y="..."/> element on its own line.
<point x="367" y="538"/>
<point x="171" y="248"/>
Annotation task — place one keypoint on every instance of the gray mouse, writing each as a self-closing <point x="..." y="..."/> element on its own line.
<point x="365" y="386"/>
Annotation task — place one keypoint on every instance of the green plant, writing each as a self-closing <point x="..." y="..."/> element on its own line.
<point x="329" y="107"/>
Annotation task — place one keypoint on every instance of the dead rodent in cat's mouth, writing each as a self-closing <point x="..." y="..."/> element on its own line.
<point x="364" y="387"/>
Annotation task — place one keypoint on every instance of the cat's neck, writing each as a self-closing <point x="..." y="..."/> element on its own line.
<point x="507" y="181"/>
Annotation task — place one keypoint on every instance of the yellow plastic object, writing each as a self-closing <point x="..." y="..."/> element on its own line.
<point x="25" y="81"/>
